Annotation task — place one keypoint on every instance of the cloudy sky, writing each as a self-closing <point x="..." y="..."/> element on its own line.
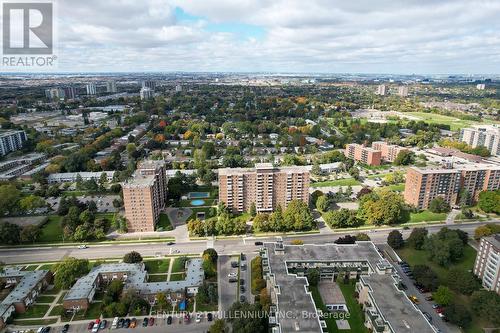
<point x="364" y="36"/>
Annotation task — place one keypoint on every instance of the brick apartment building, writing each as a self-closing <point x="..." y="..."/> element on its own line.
<point x="363" y="154"/>
<point x="424" y="185"/>
<point x="487" y="265"/>
<point x="388" y="152"/>
<point x="264" y="185"/>
<point x="144" y="196"/>
<point x="26" y="286"/>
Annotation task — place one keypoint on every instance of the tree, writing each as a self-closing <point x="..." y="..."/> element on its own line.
<point x="444" y="247"/>
<point x="265" y="299"/>
<point x="425" y="276"/>
<point x="395" y="239"/>
<point x="361" y="236"/>
<point x="458" y="314"/>
<point x="313" y="277"/>
<point x="252" y="210"/>
<point x="443" y="295"/>
<point x="31" y="203"/>
<point x="462" y="281"/>
<point x="9" y="233"/>
<point x="30" y="233"/>
<point x="132" y="257"/>
<point x="9" y="197"/>
<point x="383" y="207"/>
<point x="486" y="304"/>
<point x="211" y="254"/>
<point x="439" y="205"/>
<point x="161" y="300"/>
<point x="322" y="204"/>
<point x="486" y="230"/>
<point x="347" y="239"/>
<point x="297" y="216"/>
<point x="342" y="218"/>
<point x="489" y="201"/>
<point x="67" y="271"/>
<point x="405" y="157"/>
<point x="417" y="238"/>
<point x="251" y="323"/>
<point x="219" y="326"/>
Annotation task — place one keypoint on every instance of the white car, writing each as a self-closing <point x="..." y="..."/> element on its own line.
<point x="232" y="275"/>
<point x="82" y="246"/>
<point x="95" y="328"/>
<point x="198" y="317"/>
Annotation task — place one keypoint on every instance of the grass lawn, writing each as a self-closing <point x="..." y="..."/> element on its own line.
<point x="428" y="216"/>
<point x="35" y="322"/>
<point x="57" y="310"/>
<point x="157" y="266"/>
<point x="356" y="316"/>
<point x="93" y="312"/>
<point x="30" y="267"/>
<point x="177" y="277"/>
<point x="419" y="257"/>
<point x="177" y="266"/>
<point x="61" y="298"/>
<point x="47" y="267"/>
<point x="51" y="231"/>
<point x="433" y="118"/>
<point x="35" y="311"/>
<point x="158" y="278"/>
<point x="45" y="299"/>
<point x="337" y="182"/>
<point x="396" y="187"/>
<point x="53" y="291"/>
<point x="164" y="223"/>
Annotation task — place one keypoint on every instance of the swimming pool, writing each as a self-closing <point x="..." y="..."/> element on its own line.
<point x="197" y="195"/>
<point x="197" y="202"/>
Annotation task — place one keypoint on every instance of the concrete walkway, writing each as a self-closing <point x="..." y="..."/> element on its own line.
<point x="450" y="219"/>
<point x="53" y="304"/>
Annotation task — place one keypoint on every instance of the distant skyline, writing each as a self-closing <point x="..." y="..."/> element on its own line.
<point x="319" y="36"/>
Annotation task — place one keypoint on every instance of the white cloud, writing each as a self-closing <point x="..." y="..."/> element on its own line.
<point x="340" y="36"/>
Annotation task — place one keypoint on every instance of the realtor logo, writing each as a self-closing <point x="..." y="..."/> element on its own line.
<point x="27" y="28"/>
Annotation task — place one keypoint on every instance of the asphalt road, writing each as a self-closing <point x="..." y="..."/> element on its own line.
<point x="223" y="246"/>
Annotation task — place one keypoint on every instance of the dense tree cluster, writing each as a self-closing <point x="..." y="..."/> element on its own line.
<point x="383" y="207"/>
<point x="296" y="217"/>
<point x="446" y="246"/>
<point x="489" y="201"/>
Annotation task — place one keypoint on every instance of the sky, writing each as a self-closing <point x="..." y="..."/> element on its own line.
<point x="321" y="36"/>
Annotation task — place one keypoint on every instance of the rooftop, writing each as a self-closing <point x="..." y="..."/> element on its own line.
<point x="26" y="284"/>
<point x="263" y="166"/>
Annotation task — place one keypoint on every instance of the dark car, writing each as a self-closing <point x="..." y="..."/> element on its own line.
<point x="242" y="298"/>
<point x="234" y="264"/>
<point x="151" y="321"/>
<point x="244" y="267"/>
<point x="242" y="282"/>
<point x="145" y="322"/>
<point x="126" y="324"/>
<point x="170" y="243"/>
<point x="210" y="316"/>
<point x="403" y="286"/>
<point x="103" y="324"/>
<point x="169" y="320"/>
<point x="242" y="289"/>
<point x="258" y="243"/>
<point x="243" y="257"/>
<point x="428" y="316"/>
<point x="65" y="328"/>
<point x="46" y="329"/>
<point x="120" y="323"/>
<point x="233" y="279"/>
<point x="90" y="325"/>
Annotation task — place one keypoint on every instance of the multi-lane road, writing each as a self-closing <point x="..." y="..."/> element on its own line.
<point x="223" y="246"/>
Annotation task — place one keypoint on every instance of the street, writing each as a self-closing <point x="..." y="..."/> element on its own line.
<point x="223" y="246"/>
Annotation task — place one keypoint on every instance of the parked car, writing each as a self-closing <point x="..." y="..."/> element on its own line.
<point x="233" y="279"/>
<point x="429" y="298"/>
<point x="232" y="274"/>
<point x="46" y="329"/>
<point x="187" y="318"/>
<point x="151" y="321"/>
<point x="133" y="323"/>
<point x="414" y="299"/>
<point x="428" y="316"/>
<point x="126" y="324"/>
<point x="234" y="264"/>
<point x="243" y="257"/>
<point x="145" y="322"/>
<point x="199" y="316"/>
<point x="242" y="282"/>
<point x="81" y="247"/>
<point x="242" y="298"/>
<point x="170" y="243"/>
<point x="121" y="322"/>
<point x="90" y="325"/>
<point x="169" y="320"/>
<point x="95" y="328"/>
<point x="210" y="316"/>
<point x="258" y="243"/>
<point x="242" y="289"/>
<point x="65" y="328"/>
<point x="243" y="267"/>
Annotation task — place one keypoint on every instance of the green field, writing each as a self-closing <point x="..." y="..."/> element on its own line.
<point x="157" y="278"/>
<point x="177" y="266"/>
<point x="396" y="187"/>
<point x="164" y="223"/>
<point x="35" y="311"/>
<point x="177" y="277"/>
<point x="46" y="299"/>
<point x="157" y="266"/>
<point x="427" y="216"/>
<point x="356" y="316"/>
<point x="52" y="231"/>
<point x="337" y="182"/>
<point x="433" y="118"/>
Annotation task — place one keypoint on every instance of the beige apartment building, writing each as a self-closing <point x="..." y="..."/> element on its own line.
<point x="424" y="185"/>
<point x="482" y="135"/>
<point x="144" y="196"/>
<point x="388" y="152"/>
<point x="363" y="154"/>
<point x="265" y="185"/>
<point x="487" y="265"/>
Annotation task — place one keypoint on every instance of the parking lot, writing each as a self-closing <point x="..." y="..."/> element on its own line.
<point x="160" y="325"/>
<point x="227" y="290"/>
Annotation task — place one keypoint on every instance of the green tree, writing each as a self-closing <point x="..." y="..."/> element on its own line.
<point x="383" y="207"/>
<point x="458" y="314"/>
<point x="395" y="239"/>
<point x="425" y="276"/>
<point x="219" y="326"/>
<point x="10" y="234"/>
<point x="417" y="238"/>
<point x="252" y="323"/>
<point x="161" y="300"/>
<point x="9" y="197"/>
<point x="313" y="277"/>
<point x="361" y="236"/>
<point x="486" y="304"/>
<point x="462" y="281"/>
<point x="31" y="203"/>
<point x="342" y="218"/>
<point x="439" y="205"/>
<point x="443" y="295"/>
<point x="297" y="216"/>
<point x="67" y="271"/>
<point x="30" y="233"/>
<point x="489" y="201"/>
<point x="486" y="230"/>
<point x="132" y="257"/>
<point x="405" y="157"/>
<point x="445" y="247"/>
<point x="322" y="204"/>
<point x="252" y="210"/>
